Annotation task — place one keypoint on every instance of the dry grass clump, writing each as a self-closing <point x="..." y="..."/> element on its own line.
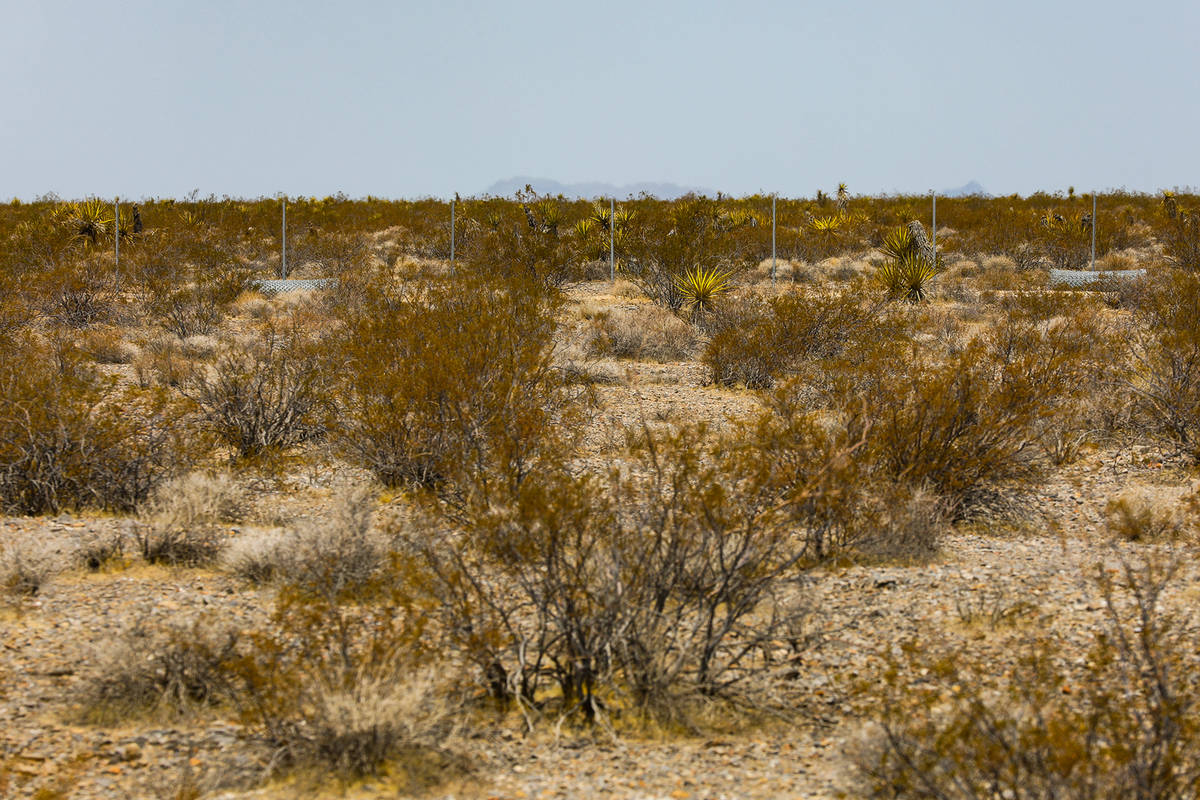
<point x="345" y="677"/>
<point x="161" y="362"/>
<point x="1137" y="517"/>
<point x="185" y="522"/>
<point x="645" y="332"/>
<point x="167" y="670"/>
<point x="258" y="555"/>
<point x="355" y="730"/>
<point x="908" y="527"/>
<point x="28" y="565"/>
<point x="342" y="548"/>
<point x="100" y="550"/>
<point x="107" y="346"/>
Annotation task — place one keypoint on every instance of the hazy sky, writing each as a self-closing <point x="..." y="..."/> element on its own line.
<point x="407" y="99"/>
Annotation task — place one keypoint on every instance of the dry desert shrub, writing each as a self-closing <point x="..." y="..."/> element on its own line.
<point x="1164" y="352"/>
<point x="954" y="428"/>
<point x="258" y="555"/>
<point x="28" y="565"/>
<point x="695" y="234"/>
<point x="186" y="520"/>
<point x="263" y="396"/>
<point x="70" y="438"/>
<point x="1138" y="517"/>
<point x="161" y="363"/>
<point x="106" y="346"/>
<point x="162" y="669"/>
<point x="757" y="342"/>
<point x="907" y="524"/>
<point x="668" y="585"/>
<point x="344" y="678"/>
<point x="341" y="548"/>
<point x="1120" y="723"/>
<point x="644" y="332"/>
<point x="450" y="386"/>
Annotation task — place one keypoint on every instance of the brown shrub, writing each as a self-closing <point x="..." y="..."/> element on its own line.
<point x="1121" y="724"/>
<point x="645" y="332"/>
<point x="757" y="342"/>
<point x="72" y="439"/>
<point x="165" y="670"/>
<point x="956" y="428"/>
<point x="344" y="685"/>
<point x="1165" y="355"/>
<point x="450" y="385"/>
<point x="661" y="584"/>
<point x="263" y="396"/>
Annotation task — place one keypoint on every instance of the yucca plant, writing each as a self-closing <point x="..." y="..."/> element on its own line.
<point x="87" y="221"/>
<point x="826" y="226"/>
<point x="701" y="288"/>
<point x="907" y="278"/>
<point x="843" y="198"/>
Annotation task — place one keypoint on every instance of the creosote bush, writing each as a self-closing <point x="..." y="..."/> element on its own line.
<point x="756" y="342"/>
<point x="450" y="385"/>
<point x="1164" y="350"/>
<point x="263" y="396"/>
<point x="72" y="439"/>
<point x="1123" y="724"/>
<point x="669" y="584"/>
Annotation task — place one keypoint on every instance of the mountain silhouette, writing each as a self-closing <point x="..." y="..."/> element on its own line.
<point x="591" y="189"/>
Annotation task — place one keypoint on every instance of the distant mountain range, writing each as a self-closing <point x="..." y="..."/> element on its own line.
<point x="969" y="189"/>
<point x="667" y="191"/>
<point x="591" y="189"/>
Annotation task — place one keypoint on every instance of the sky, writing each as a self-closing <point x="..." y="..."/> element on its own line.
<point x="413" y="99"/>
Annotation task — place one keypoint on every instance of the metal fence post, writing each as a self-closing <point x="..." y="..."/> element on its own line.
<point x="117" y="231"/>
<point x="283" y="238"/>
<point x="452" y="234"/>
<point x="612" y="226"/>
<point x="772" y="240"/>
<point x="1093" y="229"/>
<point x="933" y="194"/>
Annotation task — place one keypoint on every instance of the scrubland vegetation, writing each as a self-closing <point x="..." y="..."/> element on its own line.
<point x="481" y="551"/>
